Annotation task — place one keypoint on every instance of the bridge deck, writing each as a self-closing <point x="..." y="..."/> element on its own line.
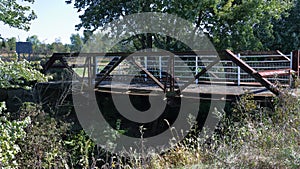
<point x="194" y="91"/>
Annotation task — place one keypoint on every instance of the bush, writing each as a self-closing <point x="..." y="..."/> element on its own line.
<point x="12" y="132"/>
<point x="21" y="74"/>
<point x="49" y="143"/>
<point x="43" y="147"/>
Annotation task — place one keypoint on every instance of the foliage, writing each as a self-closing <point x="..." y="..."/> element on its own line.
<point x="43" y="146"/>
<point x="76" y="43"/>
<point x="41" y="48"/>
<point x="237" y="25"/>
<point x="49" y="143"/>
<point x="11" y="133"/>
<point x="96" y="44"/>
<point x="20" y="74"/>
<point x="34" y="41"/>
<point x="16" y="14"/>
<point x="10" y="44"/>
<point x="81" y="149"/>
<point x="59" y="47"/>
<point x="46" y="142"/>
<point x="286" y="31"/>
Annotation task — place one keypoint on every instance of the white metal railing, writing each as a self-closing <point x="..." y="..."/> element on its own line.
<point x="186" y="66"/>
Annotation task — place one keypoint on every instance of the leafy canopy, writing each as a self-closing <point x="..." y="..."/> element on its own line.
<point x="286" y="31"/>
<point x="16" y="14"/>
<point x="233" y="24"/>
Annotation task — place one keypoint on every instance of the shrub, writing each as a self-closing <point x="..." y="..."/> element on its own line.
<point x="80" y="148"/>
<point x="21" y="74"/>
<point x="11" y="133"/>
<point x="43" y="147"/>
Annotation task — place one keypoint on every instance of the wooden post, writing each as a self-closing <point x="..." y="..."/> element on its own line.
<point x="296" y="61"/>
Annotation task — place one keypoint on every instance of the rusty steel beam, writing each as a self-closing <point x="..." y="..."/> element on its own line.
<point x="60" y="57"/>
<point x="252" y="72"/>
<point x="109" y="65"/>
<point x="50" y="62"/>
<point x="98" y="81"/>
<point x="148" y="73"/>
<point x="139" y="53"/>
<point x="296" y="62"/>
<point x="203" y="71"/>
<point x="270" y="73"/>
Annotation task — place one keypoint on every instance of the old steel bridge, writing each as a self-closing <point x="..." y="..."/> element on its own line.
<point x="181" y="74"/>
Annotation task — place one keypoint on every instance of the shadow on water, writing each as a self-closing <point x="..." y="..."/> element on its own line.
<point x="141" y="103"/>
<point x="50" y="94"/>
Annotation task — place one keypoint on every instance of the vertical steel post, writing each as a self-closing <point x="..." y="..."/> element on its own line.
<point x="196" y="68"/>
<point x="296" y="61"/>
<point x="160" y="67"/>
<point x="172" y="72"/>
<point x="291" y="67"/>
<point x="119" y="69"/>
<point x="146" y="66"/>
<point x="291" y="60"/>
<point x="239" y="72"/>
<point x="90" y="71"/>
<point x="94" y="66"/>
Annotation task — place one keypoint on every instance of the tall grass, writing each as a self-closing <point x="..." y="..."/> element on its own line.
<point x="250" y="136"/>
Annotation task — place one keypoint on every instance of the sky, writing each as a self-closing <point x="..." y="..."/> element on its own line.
<point x="55" y="20"/>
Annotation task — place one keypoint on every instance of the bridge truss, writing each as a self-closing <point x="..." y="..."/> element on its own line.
<point x="173" y="71"/>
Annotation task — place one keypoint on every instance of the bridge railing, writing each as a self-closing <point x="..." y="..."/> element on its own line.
<point x="183" y="67"/>
<point x="234" y="74"/>
<point x="186" y="66"/>
<point x="265" y="63"/>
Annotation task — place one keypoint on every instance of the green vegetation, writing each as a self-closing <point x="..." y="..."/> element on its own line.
<point x="10" y="132"/>
<point x="232" y="24"/>
<point x="236" y="25"/>
<point x="248" y="136"/>
<point x="20" y="74"/>
<point x="8" y="46"/>
<point x="44" y="135"/>
<point x="16" y="14"/>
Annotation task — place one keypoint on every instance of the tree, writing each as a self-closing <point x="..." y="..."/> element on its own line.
<point x="76" y="43"/>
<point x="34" y="40"/>
<point x="35" y="43"/>
<point x="286" y="31"/>
<point x="242" y="23"/>
<point x="11" y="42"/>
<point x="21" y="74"/>
<point x="233" y="24"/>
<point x="96" y="43"/>
<point x="58" y="47"/>
<point x="16" y="15"/>
<point x="8" y="45"/>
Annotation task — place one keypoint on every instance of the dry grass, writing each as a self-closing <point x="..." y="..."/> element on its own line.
<point x="250" y="137"/>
